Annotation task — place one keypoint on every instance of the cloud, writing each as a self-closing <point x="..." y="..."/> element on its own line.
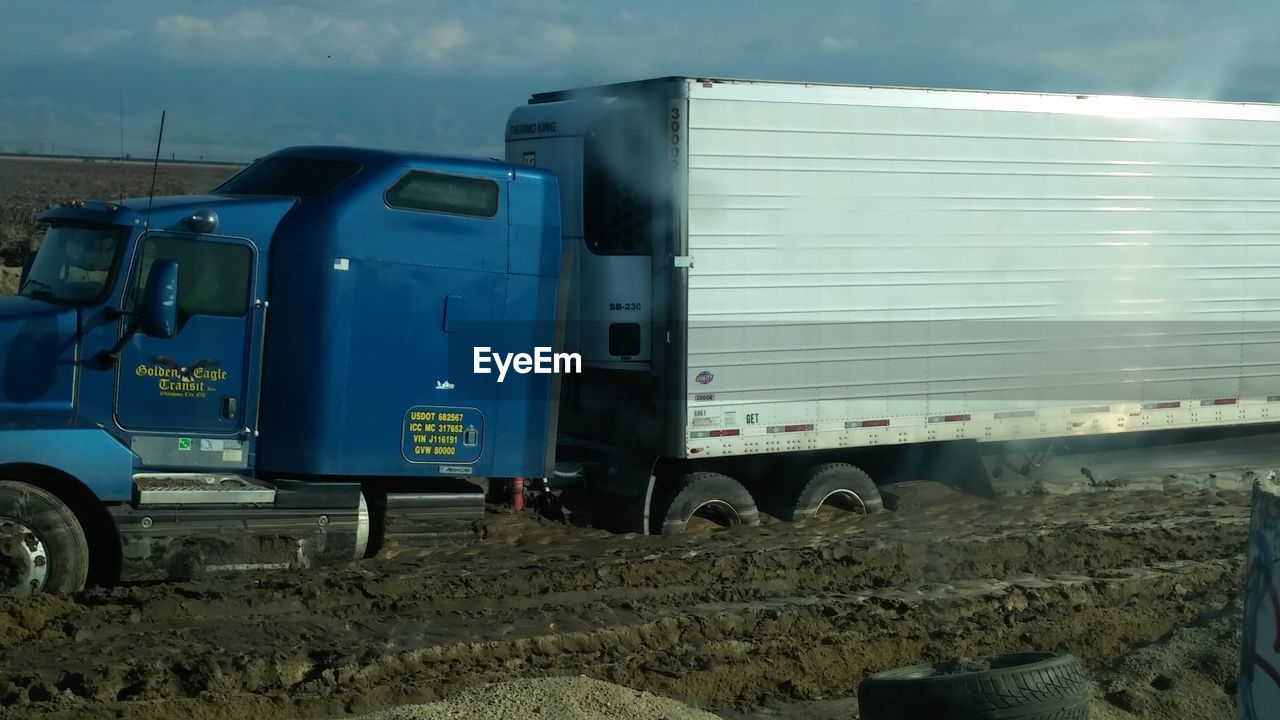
<point x="92" y="42"/>
<point x="359" y="42"/>
<point x="250" y="25"/>
<point x="438" y="43"/>
<point x="834" y="46"/>
<point x="559" y="38"/>
<point x="186" y="37"/>
<point x="317" y="24"/>
<point x="184" y="27"/>
<point x="1142" y="47"/>
<point x="284" y="36"/>
<point x="313" y="33"/>
<point x="268" y="72"/>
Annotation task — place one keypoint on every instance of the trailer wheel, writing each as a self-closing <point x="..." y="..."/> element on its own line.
<point x="706" y="501"/>
<point x="42" y="545"/>
<point x="1018" y="686"/>
<point x="838" y="486"/>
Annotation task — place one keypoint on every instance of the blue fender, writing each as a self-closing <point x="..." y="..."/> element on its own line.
<point x="89" y="455"/>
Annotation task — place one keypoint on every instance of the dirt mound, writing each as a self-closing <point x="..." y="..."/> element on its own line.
<point x="1189" y="673"/>
<point x="562" y="698"/>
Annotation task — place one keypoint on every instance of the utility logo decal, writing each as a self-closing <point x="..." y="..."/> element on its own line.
<point x="176" y="380"/>
<point x="704" y="377"/>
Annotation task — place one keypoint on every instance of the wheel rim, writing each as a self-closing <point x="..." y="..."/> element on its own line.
<point x="712" y="515"/>
<point x="840" y="502"/>
<point x="24" y="561"/>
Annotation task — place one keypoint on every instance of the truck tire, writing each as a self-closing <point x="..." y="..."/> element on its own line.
<point x="42" y="545"/>
<point x="709" y="496"/>
<point x="835" y="484"/>
<point x="1019" y="686"/>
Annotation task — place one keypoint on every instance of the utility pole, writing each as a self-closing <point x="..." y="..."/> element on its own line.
<point x="122" y="123"/>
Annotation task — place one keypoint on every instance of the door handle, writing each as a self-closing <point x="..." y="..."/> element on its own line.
<point x="228" y="408"/>
<point x="453" y="312"/>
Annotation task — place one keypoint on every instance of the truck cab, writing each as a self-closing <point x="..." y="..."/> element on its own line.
<point x="276" y="373"/>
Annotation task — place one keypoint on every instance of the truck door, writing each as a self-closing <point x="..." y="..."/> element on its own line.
<point x="184" y="397"/>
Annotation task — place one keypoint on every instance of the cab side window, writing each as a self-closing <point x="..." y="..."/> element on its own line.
<point x="451" y="194"/>
<point x="213" y="278"/>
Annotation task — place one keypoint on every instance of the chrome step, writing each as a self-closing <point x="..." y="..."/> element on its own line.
<point x="200" y="489"/>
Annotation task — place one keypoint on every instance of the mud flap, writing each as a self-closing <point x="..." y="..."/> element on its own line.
<point x="622" y="495"/>
<point x="960" y="464"/>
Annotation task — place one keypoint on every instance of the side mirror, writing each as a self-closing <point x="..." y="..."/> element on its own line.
<point x="27" y="262"/>
<point x="159" y="312"/>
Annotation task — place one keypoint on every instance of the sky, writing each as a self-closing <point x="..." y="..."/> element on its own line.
<point x="239" y="79"/>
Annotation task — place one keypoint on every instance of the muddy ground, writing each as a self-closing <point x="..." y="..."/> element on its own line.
<point x="737" y="622"/>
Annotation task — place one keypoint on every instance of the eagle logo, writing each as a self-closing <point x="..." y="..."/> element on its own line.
<point x="184" y="372"/>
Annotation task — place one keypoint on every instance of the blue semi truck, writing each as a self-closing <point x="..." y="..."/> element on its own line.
<point x="247" y="378"/>
<point x="695" y="299"/>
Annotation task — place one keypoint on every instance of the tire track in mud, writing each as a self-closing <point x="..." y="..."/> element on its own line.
<point x="744" y="617"/>
<point x="736" y="566"/>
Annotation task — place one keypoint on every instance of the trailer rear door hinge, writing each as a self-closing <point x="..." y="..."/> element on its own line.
<point x="682" y="261"/>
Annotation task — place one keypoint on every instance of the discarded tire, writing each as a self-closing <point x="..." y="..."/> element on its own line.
<point x="1019" y="686"/>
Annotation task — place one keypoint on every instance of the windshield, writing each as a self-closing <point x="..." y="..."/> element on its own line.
<point x="292" y="176"/>
<point x="74" y="264"/>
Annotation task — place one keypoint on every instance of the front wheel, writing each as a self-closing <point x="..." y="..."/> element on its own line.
<point x="42" y="546"/>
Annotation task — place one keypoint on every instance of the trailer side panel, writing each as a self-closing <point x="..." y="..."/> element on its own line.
<point x="880" y="266"/>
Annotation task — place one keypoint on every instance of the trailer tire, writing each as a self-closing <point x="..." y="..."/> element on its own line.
<point x="709" y="495"/>
<point x="839" y="484"/>
<point x="1018" y="686"/>
<point x="42" y="544"/>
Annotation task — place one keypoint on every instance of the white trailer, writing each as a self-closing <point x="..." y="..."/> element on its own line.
<point x="764" y="267"/>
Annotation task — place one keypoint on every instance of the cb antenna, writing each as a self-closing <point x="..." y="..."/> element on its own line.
<point x="154" y="167"/>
